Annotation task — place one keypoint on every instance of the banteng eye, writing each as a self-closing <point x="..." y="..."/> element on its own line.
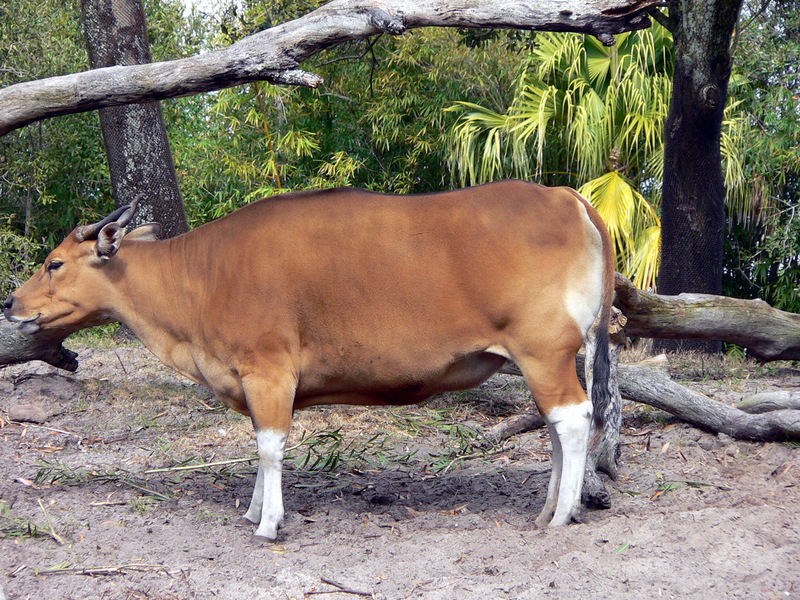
<point x="54" y="264"/>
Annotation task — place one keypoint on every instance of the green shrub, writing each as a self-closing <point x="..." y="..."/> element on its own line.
<point x="17" y="260"/>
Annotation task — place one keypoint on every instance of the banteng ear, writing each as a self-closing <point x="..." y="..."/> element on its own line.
<point x="148" y="232"/>
<point x="109" y="239"/>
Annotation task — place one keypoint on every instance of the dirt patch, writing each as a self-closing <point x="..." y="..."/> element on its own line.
<point x="388" y="504"/>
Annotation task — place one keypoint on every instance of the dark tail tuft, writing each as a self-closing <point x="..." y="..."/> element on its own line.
<point x="601" y="371"/>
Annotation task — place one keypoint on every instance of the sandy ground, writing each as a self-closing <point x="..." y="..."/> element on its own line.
<point x="380" y="504"/>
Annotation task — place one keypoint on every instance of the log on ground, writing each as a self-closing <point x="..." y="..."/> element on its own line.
<point x="766" y="332"/>
<point x="643" y="384"/>
<point x="17" y="347"/>
<point x="769" y="401"/>
<point x="655" y="388"/>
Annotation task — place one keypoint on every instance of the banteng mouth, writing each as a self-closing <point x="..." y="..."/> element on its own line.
<point x="26" y="326"/>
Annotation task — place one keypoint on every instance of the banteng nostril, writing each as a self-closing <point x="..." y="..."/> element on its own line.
<point x="8" y="303"/>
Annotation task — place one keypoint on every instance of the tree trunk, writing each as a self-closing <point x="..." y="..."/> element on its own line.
<point x="693" y="211"/>
<point x="274" y="54"/>
<point x="139" y="156"/>
<point x="767" y="333"/>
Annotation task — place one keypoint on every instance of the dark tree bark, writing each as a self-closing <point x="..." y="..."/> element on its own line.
<point x="139" y="156"/>
<point x="693" y="212"/>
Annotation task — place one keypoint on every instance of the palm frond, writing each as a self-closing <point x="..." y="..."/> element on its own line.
<point x="615" y="200"/>
<point x="642" y="267"/>
<point x="632" y="223"/>
<point x="597" y="115"/>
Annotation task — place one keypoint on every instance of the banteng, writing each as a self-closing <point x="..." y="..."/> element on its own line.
<point x="346" y="296"/>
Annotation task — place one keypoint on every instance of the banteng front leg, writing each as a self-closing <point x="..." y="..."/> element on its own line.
<point x="271" y="412"/>
<point x="266" y="505"/>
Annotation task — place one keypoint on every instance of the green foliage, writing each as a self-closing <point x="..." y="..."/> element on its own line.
<point x="43" y="195"/>
<point x="102" y="336"/>
<point x="378" y="122"/>
<point x="17" y="260"/>
<point x="330" y="452"/>
<point x="764" y="260"/>
<point x="40" y="39"/>
<point x="632" y="222"/>
<point x="12" y="526"/>
<point x="763" y="253"/>
<point x="53" y="173"/>
<point x="578" y="105"/>
<point x="174" y="32"/>
<point x="62" y="474"/>
<point x="592" y="117"/>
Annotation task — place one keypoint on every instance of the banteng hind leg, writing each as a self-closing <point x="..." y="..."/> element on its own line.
<point x="567" y="412"/>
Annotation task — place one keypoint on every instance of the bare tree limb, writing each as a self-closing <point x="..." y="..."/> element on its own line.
<point x="652" y="387"/>
<point x="274" y="54"/>
<point x="769" y="401"/>
<point x="767" y="333"/>
<point x="17" y="347"/>
<point x="513" y="425"/>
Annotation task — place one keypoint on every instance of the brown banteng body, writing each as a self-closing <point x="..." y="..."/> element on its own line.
<point x="346" y="296"/>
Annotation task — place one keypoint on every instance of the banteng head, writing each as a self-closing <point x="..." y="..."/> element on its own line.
<point x="70" y="290"/>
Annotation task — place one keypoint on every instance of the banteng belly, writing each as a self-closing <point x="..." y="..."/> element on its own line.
<point x="382" y="382"/>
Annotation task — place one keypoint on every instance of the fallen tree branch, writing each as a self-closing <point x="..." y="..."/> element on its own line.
<point x="654" y="387"/>
<point x="95" y="571"/>
<point x="767" y="333"/>
<point x="341" y="589"/>
<point x="51" y="530"/>
<point x="513" y="426"/>
<point x="769" y="401"/>
<point x="274" y="54"/>
<point x="643" y="384"/>
<point x="17" y="347"/>
<point x="208" y="465"/>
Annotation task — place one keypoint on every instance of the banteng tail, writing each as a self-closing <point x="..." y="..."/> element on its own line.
<point x="598" y="368"/>
<point x="599" y="393"/>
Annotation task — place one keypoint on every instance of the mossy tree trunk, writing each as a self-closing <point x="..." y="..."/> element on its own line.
<point x="139" y="156"/>
<point x="693" y="210"/>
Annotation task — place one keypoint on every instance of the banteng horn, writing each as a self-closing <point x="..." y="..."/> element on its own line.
<point x="122" y="216"/>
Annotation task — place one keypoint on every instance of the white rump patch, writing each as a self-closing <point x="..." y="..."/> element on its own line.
<point x="584" y="294"/>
